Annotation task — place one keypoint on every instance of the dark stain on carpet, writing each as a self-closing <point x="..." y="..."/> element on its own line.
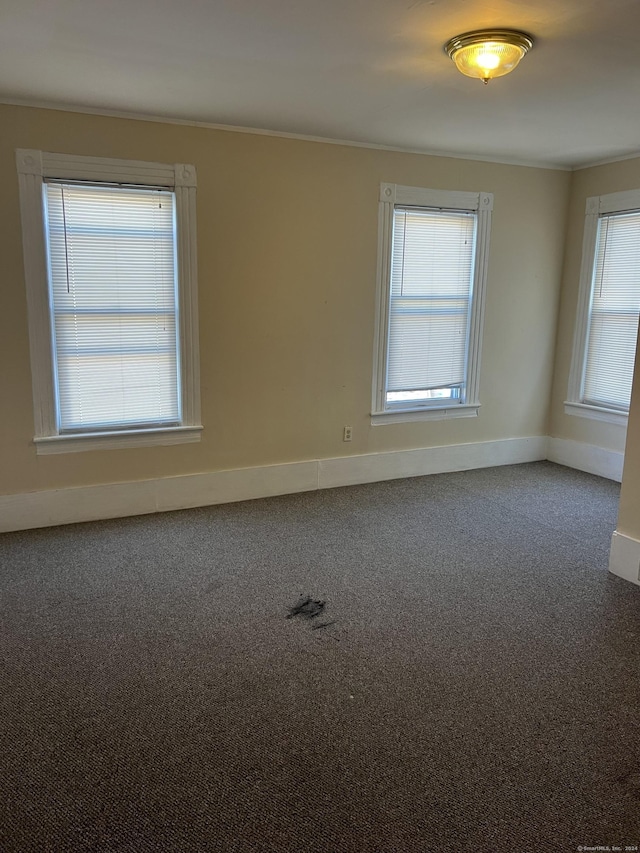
<point x="307" y="608"/>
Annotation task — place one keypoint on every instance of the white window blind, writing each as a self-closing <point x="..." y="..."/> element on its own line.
<point x="114" y="306"/>
<point x="613" y="317"/>
<point x="432" y="266"/>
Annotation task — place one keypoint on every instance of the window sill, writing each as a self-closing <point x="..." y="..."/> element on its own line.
<point x="116" y="440"/>
<point x="469" y="410"/>
<point x="596" y="413"/>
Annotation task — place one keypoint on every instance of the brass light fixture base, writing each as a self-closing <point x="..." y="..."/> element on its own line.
<point x="485" y="54"/>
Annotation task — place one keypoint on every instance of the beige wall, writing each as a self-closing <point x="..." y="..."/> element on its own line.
<point x="629" y="510"/>
<point x="598" y="180"/>
<point x="287" y="236"/>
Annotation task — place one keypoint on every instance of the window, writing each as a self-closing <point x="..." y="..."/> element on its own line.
<point x="432" y="265"/>
<point x="109" y="252"/>
<point x="608" y="309"/>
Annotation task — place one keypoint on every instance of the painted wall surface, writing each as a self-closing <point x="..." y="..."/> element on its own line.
<point x="287" y="245"/>
<point x="598" y="180"/>
<point x="629" y="509"/>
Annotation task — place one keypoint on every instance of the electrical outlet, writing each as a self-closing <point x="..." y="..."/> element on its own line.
<point x="346" y="434"/>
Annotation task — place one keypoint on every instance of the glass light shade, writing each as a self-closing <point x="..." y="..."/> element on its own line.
<point x="488" y="53"/>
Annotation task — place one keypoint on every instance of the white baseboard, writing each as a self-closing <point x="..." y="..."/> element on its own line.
<point x="586" y="457"/>
<point x="116" y="500"/>
<point x="624" y="558"/>
<point x="91" y="503"/>
<point x="374" y="467"/>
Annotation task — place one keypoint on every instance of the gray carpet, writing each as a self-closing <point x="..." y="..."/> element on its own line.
<point x="478" y="689"/>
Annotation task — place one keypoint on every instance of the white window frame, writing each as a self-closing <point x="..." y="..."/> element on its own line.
<point x="34" y="167"/>
<point x="480" y="203"/>
<point x="595" y="206"/>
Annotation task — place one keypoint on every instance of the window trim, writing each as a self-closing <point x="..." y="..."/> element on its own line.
<point x="595" y="206"/>
<point x="33" y="168"/>
<point x="480" y="203"/>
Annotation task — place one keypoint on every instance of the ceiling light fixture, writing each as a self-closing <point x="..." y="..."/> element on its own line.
<point x="486" y="54"/>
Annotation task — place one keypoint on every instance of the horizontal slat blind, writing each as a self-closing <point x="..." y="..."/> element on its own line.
<point x="431" y="285"/>
<point x="114" y="306"/>
<point x="615" y="306"/>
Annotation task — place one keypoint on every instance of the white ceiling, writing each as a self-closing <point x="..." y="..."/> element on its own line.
<point x="370" y="71"/>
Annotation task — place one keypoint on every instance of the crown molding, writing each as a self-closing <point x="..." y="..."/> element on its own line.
<point x="256" y="131"/>
<point x="633" y="156"/>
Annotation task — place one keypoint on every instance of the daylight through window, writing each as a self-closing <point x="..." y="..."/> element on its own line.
<point x="434" y="248"/>
<point x="114" y="307"/>
<point x="608" y="309"/>
<point x="110" y="263"/>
